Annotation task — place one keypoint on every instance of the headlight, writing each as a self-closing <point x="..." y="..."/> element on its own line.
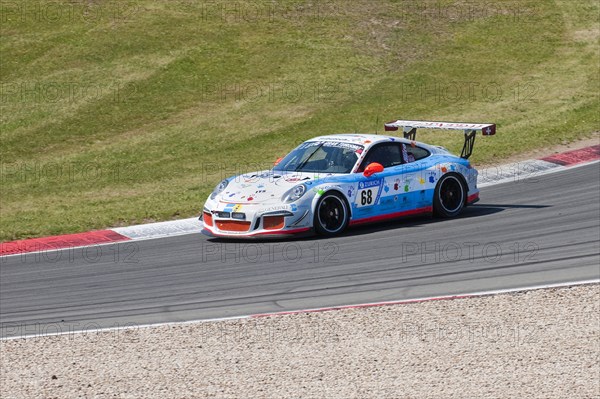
<point x="295" y="193"/>
<point x="220" y="187"/>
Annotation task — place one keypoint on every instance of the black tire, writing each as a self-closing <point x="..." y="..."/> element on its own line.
<point x="450" y="196"/>
<point x="331" y="214"/>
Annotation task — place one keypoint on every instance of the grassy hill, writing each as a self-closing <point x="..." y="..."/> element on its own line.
<point x="117" y="113"/>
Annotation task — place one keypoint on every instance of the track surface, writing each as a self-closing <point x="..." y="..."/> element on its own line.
<point x="541" y="230"/>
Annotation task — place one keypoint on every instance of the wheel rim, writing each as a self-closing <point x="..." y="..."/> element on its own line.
<point x="451" y="194"/>
<point x="332" y="214"/>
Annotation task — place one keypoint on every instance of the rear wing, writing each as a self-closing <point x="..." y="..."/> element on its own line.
<point x="469" y="129"/>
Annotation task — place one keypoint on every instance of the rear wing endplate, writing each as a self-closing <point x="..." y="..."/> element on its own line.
<point x="469" y="129"/>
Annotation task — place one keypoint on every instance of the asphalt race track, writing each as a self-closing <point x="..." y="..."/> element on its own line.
<point x="542" y="230"/>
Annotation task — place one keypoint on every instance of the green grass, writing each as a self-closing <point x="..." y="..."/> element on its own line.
<point x="116" y="113"/>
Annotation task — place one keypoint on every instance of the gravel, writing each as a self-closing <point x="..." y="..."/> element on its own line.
<point x="535" y="344"/>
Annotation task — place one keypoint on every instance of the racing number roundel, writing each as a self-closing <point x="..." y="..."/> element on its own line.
<point x="366" y="197"/>
<point x="367" y="193"/>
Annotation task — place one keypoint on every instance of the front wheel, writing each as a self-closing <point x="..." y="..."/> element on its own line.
<point x="449" y="196"/>
<point x="331" y="214"/>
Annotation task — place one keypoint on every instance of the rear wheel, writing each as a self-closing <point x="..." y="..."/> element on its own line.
<point x="449" y="196"/>
<point x="331" y="214"/>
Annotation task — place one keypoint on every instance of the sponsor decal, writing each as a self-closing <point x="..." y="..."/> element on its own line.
<point x="229" y="208"/>
<point x="369" y="183"/>
<point x="431" y="177"/>
<point x="352" y="138"/>
<point x="321" y="190"/>
<point x="488" y="132"/>
<point x="291" y="208"/>
<point x="276" y="208"/>
<point x="292" y="179"/>
<point x="347" y="146"/>
<point x="387" y="202"/>
<point x="337" y="144"/>
<point x="351" y="191"/>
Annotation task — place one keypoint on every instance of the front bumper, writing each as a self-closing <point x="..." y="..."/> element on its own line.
<point x="221" y="219"/>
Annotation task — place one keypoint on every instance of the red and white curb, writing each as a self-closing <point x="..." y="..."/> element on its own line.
<point x="60" y="242"/>
<point x="471" y="295"/>
<point x="487" y="177"/>
<point x="519" y="171"/>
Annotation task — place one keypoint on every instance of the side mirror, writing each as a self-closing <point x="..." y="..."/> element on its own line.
<point x="372" y="169"/>
<point x="277" y="161"/>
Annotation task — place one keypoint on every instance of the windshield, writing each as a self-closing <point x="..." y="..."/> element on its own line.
<point x="322" y="157"/>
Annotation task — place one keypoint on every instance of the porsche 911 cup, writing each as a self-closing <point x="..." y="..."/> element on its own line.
<point x="330" y="182"/>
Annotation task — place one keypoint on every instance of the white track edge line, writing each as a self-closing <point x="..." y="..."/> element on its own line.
<point x="558" y="168"/>
<point x="314" y="310"/>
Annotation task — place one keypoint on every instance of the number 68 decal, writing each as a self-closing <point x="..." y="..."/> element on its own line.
<point x="366" y="196"/>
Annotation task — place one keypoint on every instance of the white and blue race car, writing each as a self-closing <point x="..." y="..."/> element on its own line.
<point x="330" y="182"/>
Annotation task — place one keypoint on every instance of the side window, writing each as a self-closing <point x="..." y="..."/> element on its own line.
<point x="387" y="154"/>
<point x="415" y="153"/>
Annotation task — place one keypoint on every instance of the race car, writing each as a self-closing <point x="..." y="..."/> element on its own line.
<point x="331" y="182"/>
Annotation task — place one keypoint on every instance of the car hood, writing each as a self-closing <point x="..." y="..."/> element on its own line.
<point x="264" y="186"/>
